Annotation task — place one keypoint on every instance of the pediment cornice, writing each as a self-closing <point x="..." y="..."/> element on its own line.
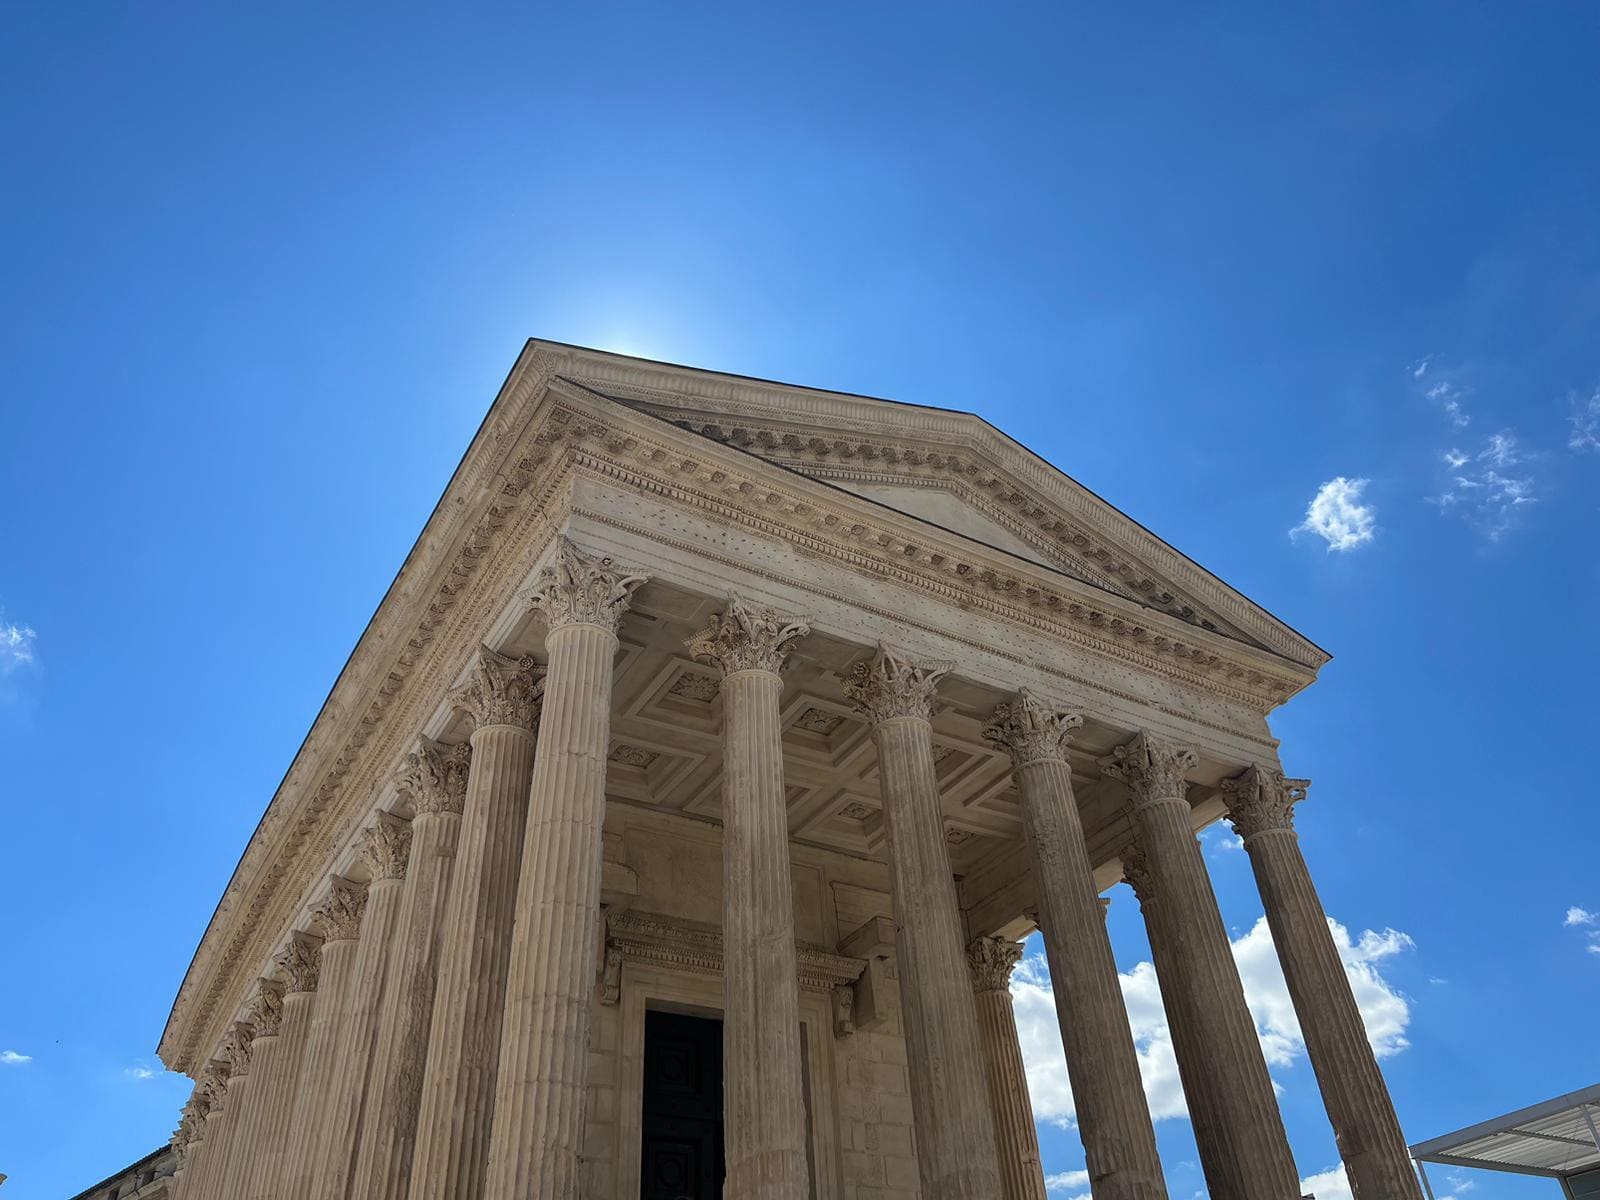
<point x="838" y="436"/>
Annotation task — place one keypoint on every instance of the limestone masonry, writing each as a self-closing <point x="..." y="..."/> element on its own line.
<point x="678" y="815"/>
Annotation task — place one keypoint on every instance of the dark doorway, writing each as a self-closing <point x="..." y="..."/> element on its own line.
<point x="682" y="1108"/>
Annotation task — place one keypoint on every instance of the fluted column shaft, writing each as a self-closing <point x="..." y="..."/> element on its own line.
<point x="385" y="848"/>
<point x="1112" y="1113"/>
<point x="278" y="1097"/>
<point x="388" y="1133"/>
<point x="265" y="1053"/>
<point x="766" y="1123"/>
<point x="955" y="1132"/>
<point x="314" y="1090"/>
<point x="539" y="1105"/>
<point x="1016" y="1137"/>
<point x="1364" y="1123"/>
<point x="456" y="1112"/>
<point x="1243" y="1148"/>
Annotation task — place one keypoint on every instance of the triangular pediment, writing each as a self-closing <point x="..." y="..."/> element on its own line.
<point x="951" y="470"/>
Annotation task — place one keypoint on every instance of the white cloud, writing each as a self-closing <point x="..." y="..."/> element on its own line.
<point x="1585" y="420"/>
<point x="1076" y="1182"/>
<point x="139" y="1072"/>
<point x="1333" y="1184"/>
<point x="1385" y="1011"/>
<point x="16" y="645"/>
<point x="1420" y="368"/>
<point x="12" y="1059"/>
<point x="1489" y="489"/>
<point x="1449" y="397"/>
<point x="1580" y="916"/>
<point x="1337" y="515"/>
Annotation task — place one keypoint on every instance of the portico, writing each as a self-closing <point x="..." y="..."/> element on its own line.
<point x="720" y="698"/>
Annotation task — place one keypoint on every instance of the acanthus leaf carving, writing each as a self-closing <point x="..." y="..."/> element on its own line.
<point x="1260" y="800"/>
<point x="338" y="914"/>
<point x="502" y="691"/>
<point x="1136" y="871"/>
<point x="433" y="776"/>
<point x="386" y="846"/>
<point x="991" y="961"/>
<point x="236" y="1047"/>
<point x="890" y="685"/>
<point x="747" y="638"/>
<point x="266" y="1010"/>
<point x="300" y="962"/>
<point x="579" y="588"/>
<point x="1032" y="730"/>
<point x="1152" y="768"/>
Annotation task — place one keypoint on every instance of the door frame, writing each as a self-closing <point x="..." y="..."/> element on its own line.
<point x="647" y="986"/>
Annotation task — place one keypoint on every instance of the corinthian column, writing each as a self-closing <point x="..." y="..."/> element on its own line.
<point x="300" y="965"/>
<point x="458" y="1086"/>
<point x="338" y="917"/>
<point x="210" y="1144"/>
<point x="186" y="1140"/>
<point x="434" y="778"/>
<point x="266" y="1015"/>
<point x="1239" y="1131"/>
<point x="765" y="1100"/>
<point x="385" y="849"/>
<point x="1260" y="808"/>
<point x="955" y="1133"/>
<point x="1016" y="1139"/>
<point x="1113" y="1117"/>
<point x="222" y="1137"/>
<point x="538" y="1125"/>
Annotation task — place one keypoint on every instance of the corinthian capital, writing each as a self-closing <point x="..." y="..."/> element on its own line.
<point x="746" y="638"/>
<point x="211" y="1091"/>
<point x="386" y="846"/>
<point x="434" y="776"/>
<point x="189" y="1125"/>
<point x="991" y="960"/>
<point x="300" y="962"/>
<point x="891" y="685"/>
<point x="582" y="589"/>
<point x="266" y="1010"/>
<point x="1260" y="800"/>
<point x="235" y="1049"/>
<point x="502" y="690"/>
<point x="1152" y="769"/>
<point x="1032" y="730"/>
<point x="338" y="914"/>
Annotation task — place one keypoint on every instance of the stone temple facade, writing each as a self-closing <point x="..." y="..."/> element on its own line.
<point x="671" y="830"/>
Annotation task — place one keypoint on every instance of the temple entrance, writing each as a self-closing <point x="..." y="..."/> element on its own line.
<point x="682" y="1141"/>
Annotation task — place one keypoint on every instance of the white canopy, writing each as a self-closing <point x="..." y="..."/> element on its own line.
<point x="1559" y="1139"/>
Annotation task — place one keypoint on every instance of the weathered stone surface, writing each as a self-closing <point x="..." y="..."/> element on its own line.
<point x="1016" y="1139"/>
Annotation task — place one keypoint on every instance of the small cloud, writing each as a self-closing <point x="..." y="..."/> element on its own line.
<point x="1486" y="489"/>
<point x="139" y="1072"/>
<point x="1076" y="1182"/>
<point x="1337" y="515"/>
<point x="1230" y="843"/>
<point x="12" y="1059"/>
<point x="1437" y="981"/>
<point x="16" y="645"/>
<point x="1585" y="420"/>
<point x="1580" y="916"/>
<point x="1449" y="397"/>
<point x="1420" y="368"/>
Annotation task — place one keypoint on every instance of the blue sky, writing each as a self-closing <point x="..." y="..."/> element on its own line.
<point x="265" y="269"/>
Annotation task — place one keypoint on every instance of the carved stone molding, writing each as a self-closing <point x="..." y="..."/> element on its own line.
<point x="844" y="1010"/>
<point x="653" y="940"/>
<point x="1136" y="870"/>
<point x="236" y="1047"/>
<point x="502" y="690"/>
<point x="747" y="638"/>
<point x="337" y="915"/>
<point x="1261" y="800"/>
<point x="1152" y="769"/>
<point x="890" y="685"/>
<point x="433" y="776"/>
<point x="386" y="846"/>
<point x="582" y="589"/>
<point x="211" y="1091"/>
<point x="189" y="1126"/>
<point x="300" y="962"/>
<point x="266" y="1009"/>
<point x="1032" y="730"/>
<point x="991" y="961"/>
